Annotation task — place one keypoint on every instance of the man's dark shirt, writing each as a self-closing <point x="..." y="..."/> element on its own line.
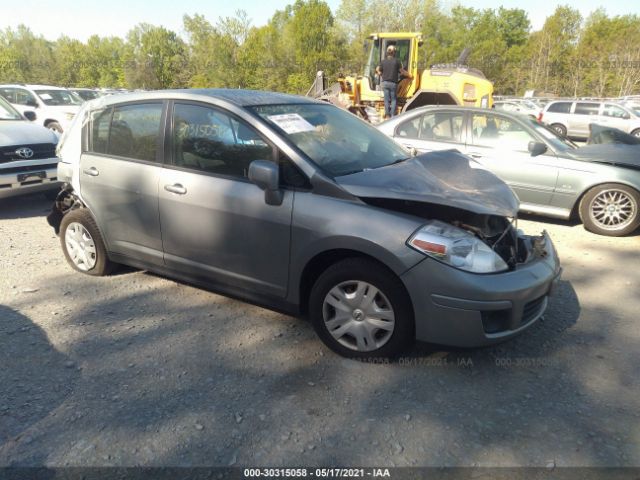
<point x="390" y="67"/>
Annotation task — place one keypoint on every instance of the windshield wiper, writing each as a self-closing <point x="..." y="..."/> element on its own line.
<point x="400" y="160"/>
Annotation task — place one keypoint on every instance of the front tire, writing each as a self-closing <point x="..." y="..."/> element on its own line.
<point x="82" y="243"/>
<point x="359" y="309"/>
<point x="610" y="209"/>
<point x="636" y="132"/>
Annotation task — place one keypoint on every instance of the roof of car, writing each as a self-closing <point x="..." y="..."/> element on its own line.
<point x="241" y="98"/>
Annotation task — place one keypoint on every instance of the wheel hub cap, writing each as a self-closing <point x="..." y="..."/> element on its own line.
<point x="613" y="209"/>
<point x="80" y="246"/>
<point x="358" y="315"/>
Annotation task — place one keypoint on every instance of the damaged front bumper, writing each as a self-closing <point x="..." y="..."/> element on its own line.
<point x="458" y="308"/>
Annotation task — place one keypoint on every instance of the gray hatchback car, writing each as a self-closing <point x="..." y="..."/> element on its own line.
<point x="302" y="207"/>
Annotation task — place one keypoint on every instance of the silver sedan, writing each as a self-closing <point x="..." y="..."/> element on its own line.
<point x="551" y="175"/>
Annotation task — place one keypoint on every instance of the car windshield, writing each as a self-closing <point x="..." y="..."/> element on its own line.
<point x="335" y="140"/>
<point x="58" y="97"/>
<point x="87" y="94"/>
<point x="556" y="141"/>
<point x="529" y="104"/>
<point x="7" y="112"/>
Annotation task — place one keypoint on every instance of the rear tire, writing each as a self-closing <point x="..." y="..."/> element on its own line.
<point x="560" y="129"/>
<point x="82" y="244"/>
<point x="359" y="309"/>
<point x="610" y="209"/>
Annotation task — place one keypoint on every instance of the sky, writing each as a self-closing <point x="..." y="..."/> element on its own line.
<point x="82" y="18"/>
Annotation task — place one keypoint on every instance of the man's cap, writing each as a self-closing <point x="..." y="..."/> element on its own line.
<point x="391" y="48"/>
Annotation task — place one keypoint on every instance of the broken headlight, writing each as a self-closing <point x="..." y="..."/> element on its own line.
<point x="456" y="247"/>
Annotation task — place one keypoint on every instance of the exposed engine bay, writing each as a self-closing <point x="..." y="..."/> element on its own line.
<point x="499" y="233"/>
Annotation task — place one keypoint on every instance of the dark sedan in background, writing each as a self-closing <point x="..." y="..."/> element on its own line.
<point x="551" y="175"/>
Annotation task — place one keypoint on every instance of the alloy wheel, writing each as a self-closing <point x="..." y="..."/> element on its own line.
<point x="613" y="209"/>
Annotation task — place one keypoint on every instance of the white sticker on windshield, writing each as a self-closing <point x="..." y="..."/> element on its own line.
<point x="45" y="96"/>
<point x="291" y="123"/>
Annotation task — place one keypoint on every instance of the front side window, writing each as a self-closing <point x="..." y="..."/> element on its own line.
<point x="135" y="131"/>
<point x="586" y="108"/>
<point x="614" y="111"/>
<point x="337" y="141"/>
<point x="57" y="98"/>
<point x="499" y="132"/>
<point x="209" y="140"/>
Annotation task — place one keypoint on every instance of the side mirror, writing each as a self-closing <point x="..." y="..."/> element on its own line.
<point x="266" y="175"/>
<point x="30" y="115"/>
<point x="537" y="148"/>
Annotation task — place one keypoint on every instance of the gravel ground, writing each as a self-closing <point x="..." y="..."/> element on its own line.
<point x="135" y="369"/>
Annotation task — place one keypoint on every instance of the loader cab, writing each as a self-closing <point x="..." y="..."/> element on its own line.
<point x="377" y="51"/>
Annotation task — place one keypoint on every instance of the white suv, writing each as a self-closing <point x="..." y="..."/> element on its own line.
<point x="54" y="107"/>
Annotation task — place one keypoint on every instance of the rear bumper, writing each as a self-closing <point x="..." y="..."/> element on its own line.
<point x="462" y="309"/>
<point x="22" y="182"/>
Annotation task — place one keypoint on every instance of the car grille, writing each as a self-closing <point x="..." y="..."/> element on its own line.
<point x="533" y="309"/>
<point x="29" y="168"/>
<point x="40" y="151"/>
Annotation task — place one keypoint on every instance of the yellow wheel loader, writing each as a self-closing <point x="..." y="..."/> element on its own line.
<point x="443" y="84"/>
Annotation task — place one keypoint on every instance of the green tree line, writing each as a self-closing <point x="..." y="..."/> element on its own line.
<point x="570" y="55"/>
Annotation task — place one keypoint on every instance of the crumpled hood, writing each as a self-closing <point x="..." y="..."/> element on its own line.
<point x="604" y="134"/>
<point x="610" y="153"/>
<point x="21" y="132"/>
<point x="444" y="178"/>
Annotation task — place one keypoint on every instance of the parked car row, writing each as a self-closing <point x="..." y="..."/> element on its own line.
<point x="52" y="107"/>
<point x="573" y="117"/>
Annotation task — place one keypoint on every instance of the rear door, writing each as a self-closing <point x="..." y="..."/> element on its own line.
<point x="431" y="131"/>
<point x="119" y="172"/>
<point x="215" y="222"/>
<point x="500" y="144"/>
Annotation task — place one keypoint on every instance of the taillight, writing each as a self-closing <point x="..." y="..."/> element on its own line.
<point x="540" y="116"/>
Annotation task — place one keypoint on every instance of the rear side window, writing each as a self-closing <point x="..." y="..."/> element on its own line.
<point x="135" y="131"/>
<point x="587" y="108"/>
<point x="442" y="126"/>
<point x="559" y="107"/>
<point x="100" y="130"/>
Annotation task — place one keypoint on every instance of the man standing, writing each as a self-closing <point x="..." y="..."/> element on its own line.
<point x="390" y="70"/>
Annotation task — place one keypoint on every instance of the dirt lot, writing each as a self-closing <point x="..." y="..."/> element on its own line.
<point x="135" y="369"/>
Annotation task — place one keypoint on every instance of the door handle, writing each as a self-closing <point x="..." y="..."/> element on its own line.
<point x="92" y="172"/>
<point x="475" y="155"/>
<point x="176" y="188"/>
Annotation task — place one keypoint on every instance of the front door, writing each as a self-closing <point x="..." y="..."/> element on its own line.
<point x="500" y="144"/>
<point x="215" y="223"/>
<point x="119" y="174"/>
